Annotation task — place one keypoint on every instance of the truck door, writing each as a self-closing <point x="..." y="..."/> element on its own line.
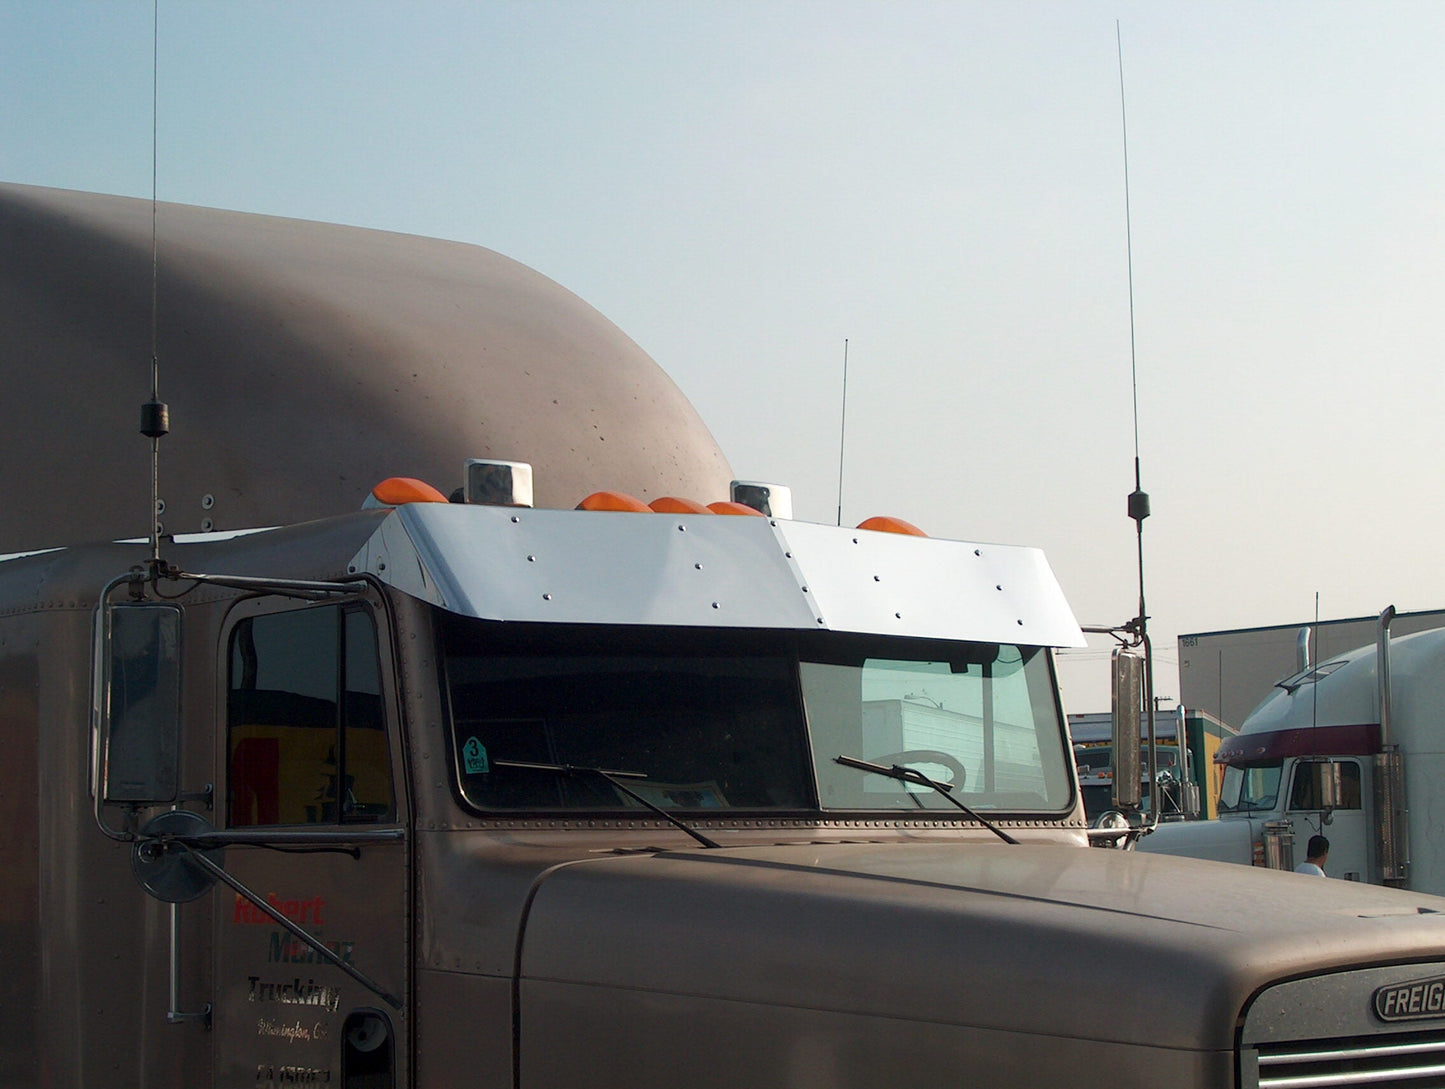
<point x="1347" y="830"/>
<point x="311" y="754"/>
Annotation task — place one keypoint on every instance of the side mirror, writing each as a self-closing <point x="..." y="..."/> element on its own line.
<point x="1128" y="706"/>
<point x="1325" y="787"/>
<point x="138" y="704"/>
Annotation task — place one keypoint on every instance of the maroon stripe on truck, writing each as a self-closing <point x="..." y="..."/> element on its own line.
<point x="1261" y="748"/>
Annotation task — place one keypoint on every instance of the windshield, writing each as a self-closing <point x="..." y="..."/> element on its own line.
<point x="1248" y="790"/>
<point x="713" y="720"/>
<point x="708" y="729"/>
<point x="979" y="717"/>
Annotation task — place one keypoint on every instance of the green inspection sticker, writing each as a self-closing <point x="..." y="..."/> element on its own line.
<point x="474" y="757"/>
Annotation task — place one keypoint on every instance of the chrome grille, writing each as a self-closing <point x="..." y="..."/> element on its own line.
<point x="1409" y="1061"/>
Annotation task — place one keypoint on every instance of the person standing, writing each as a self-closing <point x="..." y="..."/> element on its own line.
<point x="1316" y="852"/>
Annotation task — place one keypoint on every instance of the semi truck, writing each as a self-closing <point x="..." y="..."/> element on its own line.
<point x="1094" y="762"/>
<point x="442" y="794"/>
<point x="1350" y="748"/>
<point x="1189" y="777"/>
<point x="455" y="788"/>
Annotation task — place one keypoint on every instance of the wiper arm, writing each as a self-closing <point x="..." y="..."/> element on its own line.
<point x="913" y="775"/>
<point x="614" y="778"/>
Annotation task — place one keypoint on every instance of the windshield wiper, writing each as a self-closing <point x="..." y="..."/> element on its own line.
<point x="912" y="775"/>
<point x="613" y="778"/>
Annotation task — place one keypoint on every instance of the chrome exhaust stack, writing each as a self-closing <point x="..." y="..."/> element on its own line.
<point x="1392" y="832"/>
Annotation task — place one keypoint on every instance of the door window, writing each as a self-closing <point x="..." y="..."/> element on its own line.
<point x="306" y="734"/>
<point x="1306" y="789"/>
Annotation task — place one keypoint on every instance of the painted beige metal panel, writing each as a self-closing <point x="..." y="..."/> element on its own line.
<point x="640" y="1040"/>
<point x="464" y="1031"/>
<point x="303" y="362"/>
<point x="985" y="936"/>
<point x="20" y="860"/>
<point x="86" y="998"/>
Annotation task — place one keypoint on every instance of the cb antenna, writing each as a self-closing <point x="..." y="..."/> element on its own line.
<point x="155" y="414"/>
<point x="1138" y="498"/>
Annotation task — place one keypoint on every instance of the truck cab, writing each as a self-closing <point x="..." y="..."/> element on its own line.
<point x="442" y="793"/>
<point x="1324" y="754"/>
<point x="435" y="793"/>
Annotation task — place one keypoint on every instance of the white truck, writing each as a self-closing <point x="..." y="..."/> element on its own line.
<point x="432" y="794"/>
<point x="1351" y="748"/>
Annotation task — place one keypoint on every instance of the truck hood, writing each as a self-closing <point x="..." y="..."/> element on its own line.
<point x="1060" y="941"/>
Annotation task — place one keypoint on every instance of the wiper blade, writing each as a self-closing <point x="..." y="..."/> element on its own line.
<point x="614" y="778"/>
<point x="913" y="775"/>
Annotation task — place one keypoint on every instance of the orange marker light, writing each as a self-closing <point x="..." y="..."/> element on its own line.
<point x="884" y="523"/>
<point x="613" y="501"/>
<point x="397" y="490"/>
<point x="727" y="506"/>
<point x="672" y="504"/>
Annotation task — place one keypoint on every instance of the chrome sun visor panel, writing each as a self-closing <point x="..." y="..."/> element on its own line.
<point x="588" y="567"/>
<point x="896" y="584"/>
<point x="595" y="567"/>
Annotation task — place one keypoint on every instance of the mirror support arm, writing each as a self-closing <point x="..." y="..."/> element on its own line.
<point x="175" y="1016"/>
<point x="295" y="931"/>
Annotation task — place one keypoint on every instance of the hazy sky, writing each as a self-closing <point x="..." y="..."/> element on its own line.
<point x="741" y="186"/>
